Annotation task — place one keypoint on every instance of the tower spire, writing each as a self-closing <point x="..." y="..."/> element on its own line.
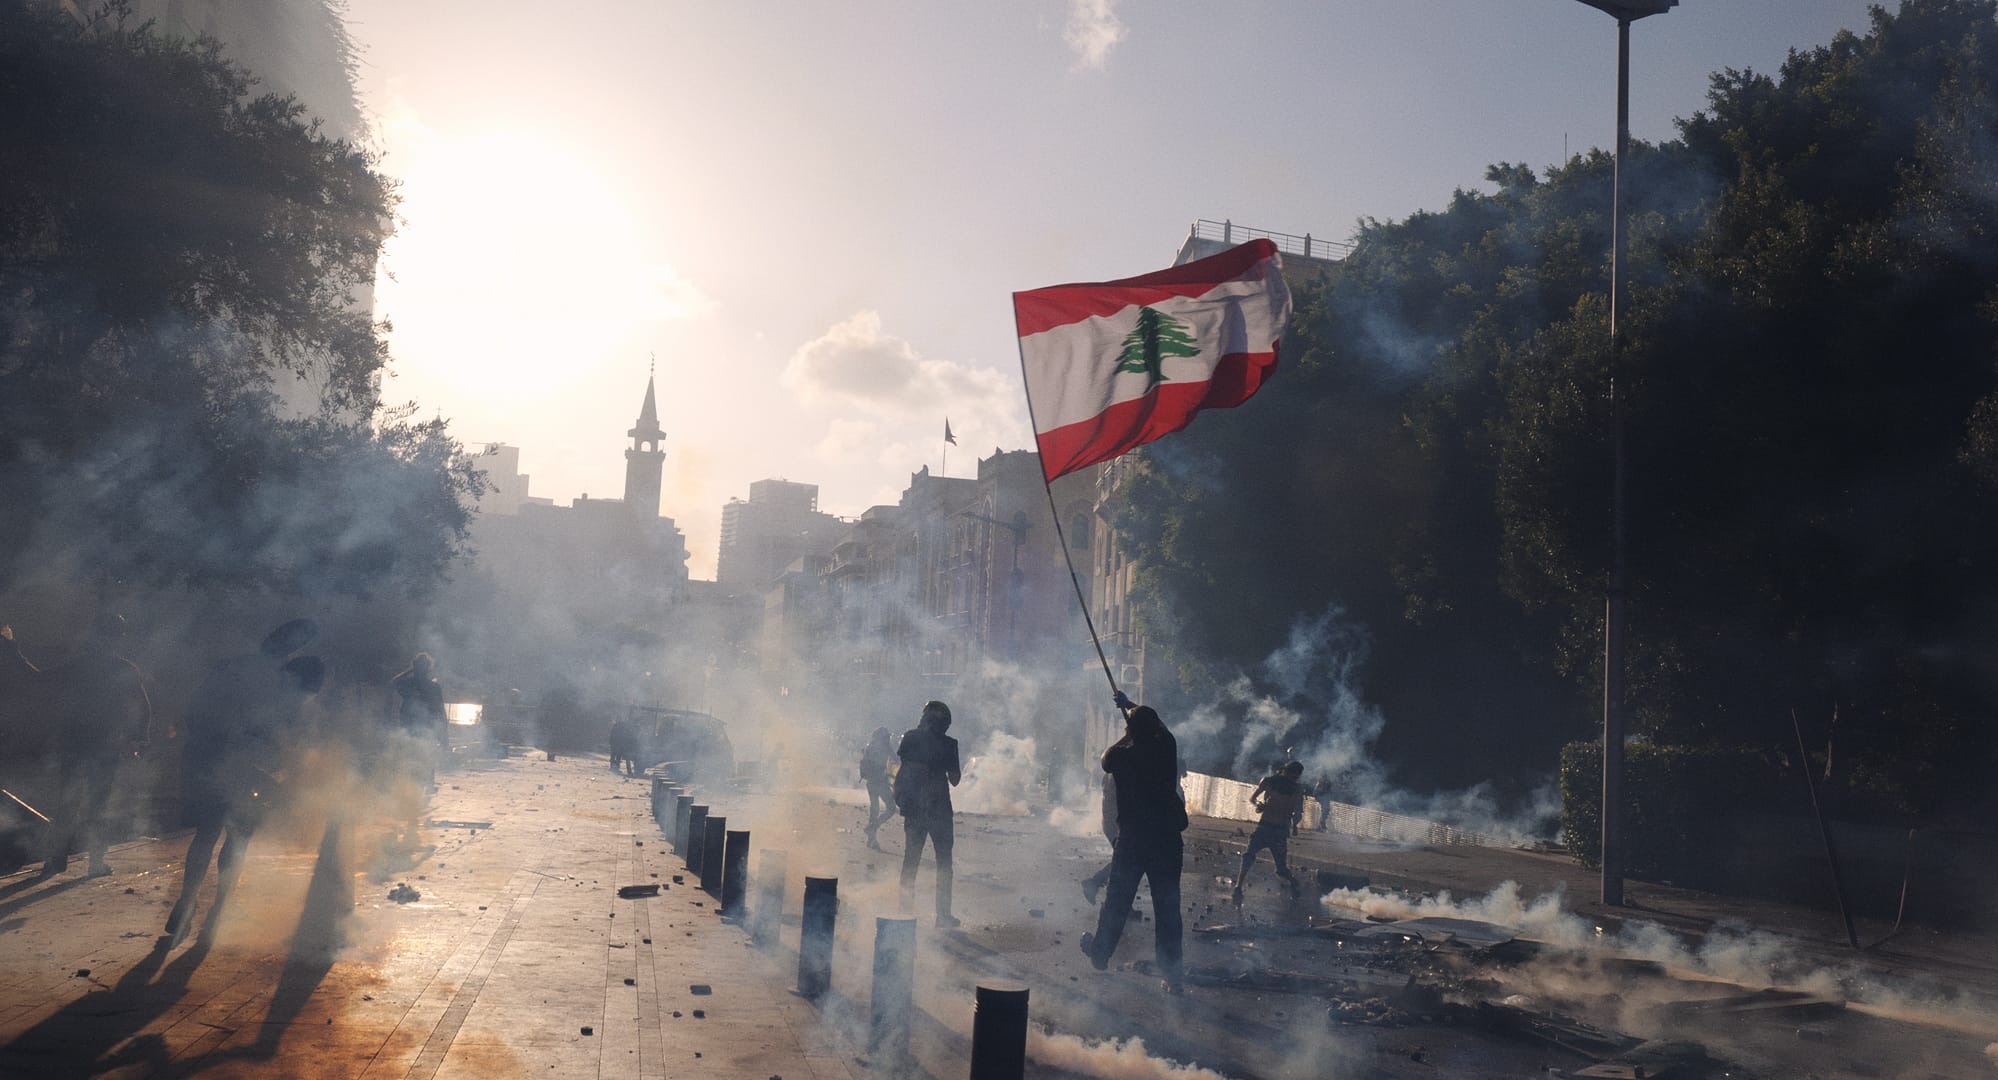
<point x="644" y="461"/>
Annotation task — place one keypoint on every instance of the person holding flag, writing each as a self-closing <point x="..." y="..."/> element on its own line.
<point x="1110" y="366"/>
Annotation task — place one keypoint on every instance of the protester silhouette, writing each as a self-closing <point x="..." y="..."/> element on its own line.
<point x="922" y="792"/>
<point x="880" y="789"/>
<point x="103" y="717"/>
<point x="233" y="741"/>
<point x="1279" y="799"/>
<point x="1151" y="815"/>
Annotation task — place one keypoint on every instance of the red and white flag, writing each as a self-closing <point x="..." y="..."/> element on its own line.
<point x="1113" y="365"/>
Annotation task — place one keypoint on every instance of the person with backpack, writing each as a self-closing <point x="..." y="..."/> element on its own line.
<point x="880" y="791"/>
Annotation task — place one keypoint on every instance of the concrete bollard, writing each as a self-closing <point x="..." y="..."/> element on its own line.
<point x="766" y="922"/>
<point x="681" y="805"/>
<point x="712" y="849"/>
<point x="734" y="872"/>
<point x="697" y="830"/>
<point x="815" y="937"/>
<point x="659" y="800"/>
<point x="999" y="1032"/>
<point x="894" y="992"/>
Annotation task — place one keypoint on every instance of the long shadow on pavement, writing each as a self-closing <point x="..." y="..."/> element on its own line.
<point x="329" y="901"/>
<point x="72" y="1040"/>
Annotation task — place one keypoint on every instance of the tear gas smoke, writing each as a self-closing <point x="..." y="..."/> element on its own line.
<point x="1304" y="703"/>
<point x="1111" y="1059"/>
<point x="1730" y="952"/>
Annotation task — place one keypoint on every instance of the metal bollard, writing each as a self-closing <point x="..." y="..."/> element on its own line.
<point x="999" y="1032"/>
<point x="766" y="922"/>
<point x="659" y="800"/>
<point x="734" y="872"/>
<point x="894" y="991"/>
<point x="712" y="850"/>
<point x="697" y="830"/>
<point x="681" y="805"/>
<point x="815" y="937"/>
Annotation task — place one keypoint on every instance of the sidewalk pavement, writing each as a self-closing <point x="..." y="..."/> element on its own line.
<point x="518" y="959"/>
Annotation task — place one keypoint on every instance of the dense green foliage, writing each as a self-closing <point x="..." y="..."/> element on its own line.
<point x="187" y="361"/>
<point x="1681" y="803"/>
<point x="1809" y="369"/>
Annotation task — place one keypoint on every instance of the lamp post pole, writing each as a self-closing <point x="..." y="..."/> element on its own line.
<point x="1625" y="12"/>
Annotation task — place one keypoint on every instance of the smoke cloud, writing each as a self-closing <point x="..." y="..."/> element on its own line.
<point x="1304" y="703"/>
<point x="1112" y="1059"/>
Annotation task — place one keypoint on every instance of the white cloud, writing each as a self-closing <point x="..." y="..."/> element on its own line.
<point x="855" y="364"/>
<point x="890" y="402"/>
<point x="1093" y="30"/>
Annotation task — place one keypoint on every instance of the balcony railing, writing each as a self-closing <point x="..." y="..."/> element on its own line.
<point x="1308" y="246"/>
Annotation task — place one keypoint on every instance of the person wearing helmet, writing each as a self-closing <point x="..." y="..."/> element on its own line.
<point x="922" y="792"/>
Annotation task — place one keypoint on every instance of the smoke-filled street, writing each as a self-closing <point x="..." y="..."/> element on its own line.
<point x="503" y="948"/>
<point x="1313" y="538"/>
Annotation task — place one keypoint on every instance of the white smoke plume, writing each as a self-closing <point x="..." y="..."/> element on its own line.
<point x="1304" y="702"/>
<point x="1732" y="952"/>
<point x="1112" y="1059"/>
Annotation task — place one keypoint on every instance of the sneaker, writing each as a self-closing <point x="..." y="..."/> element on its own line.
<point x="1088" y="943"/>
<point x="948" y="922"/>
<point x="1089" y="889"/>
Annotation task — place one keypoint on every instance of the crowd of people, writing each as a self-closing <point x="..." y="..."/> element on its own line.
<point x="1144" y="818"/>
<point x="232" y="751"/>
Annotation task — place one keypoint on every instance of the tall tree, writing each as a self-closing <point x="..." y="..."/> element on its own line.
<point x="174" y="250"/>
<point x="1809" y="364"/>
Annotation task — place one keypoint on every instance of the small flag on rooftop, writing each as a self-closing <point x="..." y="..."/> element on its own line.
<point x="1113" y="365"/>
<point x="948" y="437"/>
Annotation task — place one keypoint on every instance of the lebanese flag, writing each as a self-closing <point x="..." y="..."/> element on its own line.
<point x="1113" y="365"/>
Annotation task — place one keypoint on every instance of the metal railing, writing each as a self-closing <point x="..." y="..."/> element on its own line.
<point x="1308" y="246"/>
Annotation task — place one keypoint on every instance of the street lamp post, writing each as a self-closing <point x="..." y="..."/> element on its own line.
<point x="1625" y="12"/>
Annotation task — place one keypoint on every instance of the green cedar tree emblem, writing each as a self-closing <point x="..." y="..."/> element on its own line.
<point x="1157" y="335"/>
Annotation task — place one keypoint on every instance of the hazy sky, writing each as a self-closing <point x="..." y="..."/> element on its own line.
<point x="814" y="212"/>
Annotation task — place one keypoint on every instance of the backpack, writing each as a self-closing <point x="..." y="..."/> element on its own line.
<point x="909" y="786"/>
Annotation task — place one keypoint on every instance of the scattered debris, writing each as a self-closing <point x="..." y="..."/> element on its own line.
<point x="403" y="894"/>
<point x="631" y="982"/>
<point x="589" y="1031"/>
<point x="83" y="973"/>
<point x="638" y="892"/>
<point x="1036" y="913"/>
<point x="700" y="1014"/>
<point x="700" y="989"/>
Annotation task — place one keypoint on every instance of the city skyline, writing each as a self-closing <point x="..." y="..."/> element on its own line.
<point x="815" y="216"/>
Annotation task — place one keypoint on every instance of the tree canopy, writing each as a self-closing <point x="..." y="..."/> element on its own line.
<point x="188" y="363"/>
<point x="1812" y="421"/>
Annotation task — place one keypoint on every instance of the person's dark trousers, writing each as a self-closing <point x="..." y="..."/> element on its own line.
<point x="937" y="828"/>
<point x="1278" y="844"/>
<point x="1158" y="862"/>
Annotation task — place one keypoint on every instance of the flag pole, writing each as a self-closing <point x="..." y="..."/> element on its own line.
<point x="1054" y="511"/>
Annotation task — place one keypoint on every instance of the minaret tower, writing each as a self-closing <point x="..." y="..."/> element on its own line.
<point x="645" y="460"/>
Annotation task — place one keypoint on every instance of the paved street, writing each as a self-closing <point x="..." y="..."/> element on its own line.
<point x="516" y="957"/>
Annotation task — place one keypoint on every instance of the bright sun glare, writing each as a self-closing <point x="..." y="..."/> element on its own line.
<point x="515" y="267"/>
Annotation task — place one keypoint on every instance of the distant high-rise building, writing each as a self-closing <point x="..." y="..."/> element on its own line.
<point x="777" y="524"/>
<point x="645" y="460"/>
